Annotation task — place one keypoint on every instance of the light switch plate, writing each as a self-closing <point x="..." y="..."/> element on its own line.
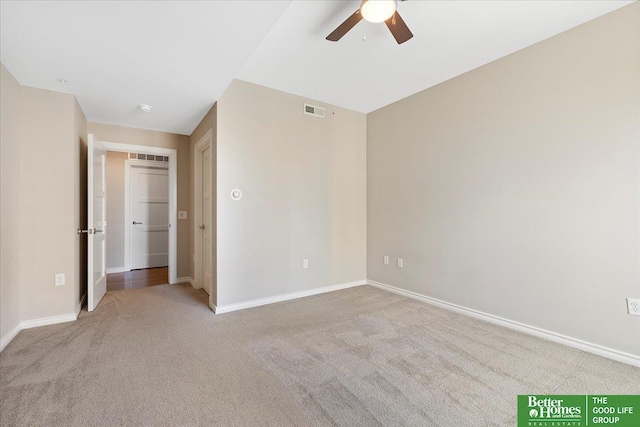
<point x="305" y="263"/>
<point x="400" y="263"/>
<point x="385" y="260"/>
<point x="182" y="214"/>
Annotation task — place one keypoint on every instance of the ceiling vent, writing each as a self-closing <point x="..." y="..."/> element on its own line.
<point x="312" y="110"/>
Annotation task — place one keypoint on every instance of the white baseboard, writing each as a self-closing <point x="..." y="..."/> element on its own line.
<point x="45" y="321"/>
<point x="609" y="353"/>
<point x="184" y="280"/>
<point x="284" y="297"/>
<point x="111" y="270"/>
<point x="11" y="335"/>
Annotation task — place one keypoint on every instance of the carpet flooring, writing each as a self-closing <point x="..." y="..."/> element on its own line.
<point x="359" y="357"/>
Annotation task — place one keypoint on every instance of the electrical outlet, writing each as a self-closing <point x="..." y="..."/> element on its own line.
<point x="60" y="280"/>
<point x="633" y="306"/>
<point x="400" y="263"/>
<point x="305" y="263"/>
<point x="386" y="260"/>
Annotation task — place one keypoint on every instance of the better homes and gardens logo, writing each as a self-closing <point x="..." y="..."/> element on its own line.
<point x="578" y="410"/>
<point x="553" y="410"/>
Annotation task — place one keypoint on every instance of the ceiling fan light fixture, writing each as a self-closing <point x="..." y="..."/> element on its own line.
<point x="377" y="10"/>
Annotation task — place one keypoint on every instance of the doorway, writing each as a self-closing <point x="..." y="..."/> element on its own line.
<point x="138" y="214"/>
<point x="148" y="179"/>
<point x="146" y="213"/>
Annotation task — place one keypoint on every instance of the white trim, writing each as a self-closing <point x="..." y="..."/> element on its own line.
<point x="45" y="321"/>
<point x="111" y="270"/>
<point x="609" y="353"/>
<point x="127" y="229"/>
<point x="173" y="197"/>
<point x="151" y="164"/>
<point x="205" y="142"/>
<point x="132" y="148"/>
<point x="185" y="279"/>
<point x="10" y="336"/>
<point x="28" y="324"/>
<point x="284" y="297"/>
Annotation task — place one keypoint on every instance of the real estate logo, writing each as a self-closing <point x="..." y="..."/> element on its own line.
<point x="552" y="410"/>
<point x="578" y="410"/>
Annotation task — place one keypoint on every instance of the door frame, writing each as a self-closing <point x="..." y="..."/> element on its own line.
<point x="205" y="142"/>
<point x="128" y="164"/>
<point x="173" y="198"/>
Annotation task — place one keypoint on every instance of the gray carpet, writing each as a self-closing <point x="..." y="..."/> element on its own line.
<point x="358" y="357"/>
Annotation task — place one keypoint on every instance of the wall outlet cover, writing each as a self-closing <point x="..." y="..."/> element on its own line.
<point x="386" y="260"/>
<point x="60" y="279"/>
<point x="633" y="306"/>
<point x="400" y="263"/>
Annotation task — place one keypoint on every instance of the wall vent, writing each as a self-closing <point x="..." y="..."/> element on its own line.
<point x="151" y="157"/>
<point x="312" y="110"/>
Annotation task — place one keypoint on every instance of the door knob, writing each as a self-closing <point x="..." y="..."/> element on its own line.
<point x="202" y="227"/>
<point x="137" y="223"/>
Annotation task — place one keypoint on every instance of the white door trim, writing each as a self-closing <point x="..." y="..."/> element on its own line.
<point x="173" y="198"/>
<point x="128" y="164"/>
<point x="205" y="142"/>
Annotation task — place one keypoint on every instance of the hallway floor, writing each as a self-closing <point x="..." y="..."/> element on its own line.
<point x="137" y="279"/>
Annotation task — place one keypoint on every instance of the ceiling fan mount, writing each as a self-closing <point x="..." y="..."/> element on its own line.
<point x="375" y="11"/>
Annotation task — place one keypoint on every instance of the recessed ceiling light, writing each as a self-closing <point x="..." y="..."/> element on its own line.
<point x="144" y="107"/>
<point x="62" y="81"/>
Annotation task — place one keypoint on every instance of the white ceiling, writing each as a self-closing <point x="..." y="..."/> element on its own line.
<point x="450" y="38"/>
<point x="179" y="57"/>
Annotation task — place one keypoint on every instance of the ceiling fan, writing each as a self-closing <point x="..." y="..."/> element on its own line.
<point x="375" y="11"/>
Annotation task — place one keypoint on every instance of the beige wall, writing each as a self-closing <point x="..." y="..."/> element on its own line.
<point x="9" y="203"/>
<point x="150" y="138"/>
<point x="208" y="123"/>
<point x="43" y="186"/>
<point x="115" y="209"/>
<point x="303" y="180"/>
<point x="47" y="221"/>
<point x="514" y="189"/>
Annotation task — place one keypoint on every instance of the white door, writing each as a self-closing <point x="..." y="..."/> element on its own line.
<point x="96" y="220"/>
<point x="149" y="207"/>
<point x="206" y="220"/>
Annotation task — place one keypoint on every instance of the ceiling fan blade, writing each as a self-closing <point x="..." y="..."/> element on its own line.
<point x="398" y="28"/>
<point x="344" y="28"/>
